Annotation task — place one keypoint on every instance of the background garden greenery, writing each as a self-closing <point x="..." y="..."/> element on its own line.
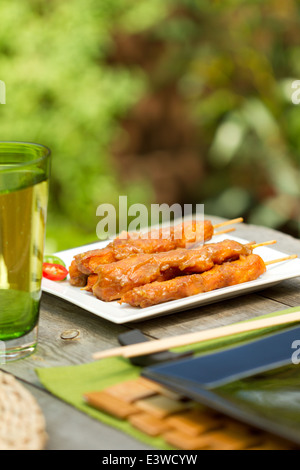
<point x="76" y="72"/>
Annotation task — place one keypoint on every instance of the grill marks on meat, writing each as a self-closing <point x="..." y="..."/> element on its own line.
<point x="245" y="269"/>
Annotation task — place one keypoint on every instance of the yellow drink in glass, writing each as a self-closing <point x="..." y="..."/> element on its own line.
<point x="24" y="173"/>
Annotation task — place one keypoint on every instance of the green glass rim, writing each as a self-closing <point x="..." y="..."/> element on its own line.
<point x="46" y="152"/>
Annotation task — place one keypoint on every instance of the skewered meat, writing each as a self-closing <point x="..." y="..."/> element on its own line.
<point x="77" y="278"/>
<point x="245" y="269"/>
<point x="88" y="261"/>
<point x="155" y="241"/>
<point x="117" y="278"/>
<point x="164" y="239"/>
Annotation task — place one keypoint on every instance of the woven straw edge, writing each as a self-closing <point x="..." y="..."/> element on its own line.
<point x="20" y="399"/>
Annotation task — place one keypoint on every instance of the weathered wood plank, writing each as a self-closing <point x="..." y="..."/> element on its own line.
<point x="287" y="292"/>
<point x="57" y="316"/>
<point x="210" y="316"/>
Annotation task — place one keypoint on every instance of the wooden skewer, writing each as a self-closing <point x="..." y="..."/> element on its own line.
<point x="267" y="263"/>
<point x="227" y="230"/>
<point x="229" y="222"/>
<point x="256" y="245"/>
<point x="159" y="345"/>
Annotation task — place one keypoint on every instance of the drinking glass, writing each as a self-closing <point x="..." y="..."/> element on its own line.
<point x="24" y="174"/>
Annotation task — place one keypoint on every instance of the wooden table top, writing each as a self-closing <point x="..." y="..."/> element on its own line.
<point x="69" y="428"/>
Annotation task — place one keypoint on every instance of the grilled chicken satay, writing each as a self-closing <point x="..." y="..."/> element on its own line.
<point x="245" y="269"/>
<point x="77" y="278"/>
<point x="88" y="261"/>
<point x="93" y="278"/>
<point x="155" y="241"/>
<point x="84" y="264"/>
<point x="165" y="239"/>
<point x="115" y="279"/>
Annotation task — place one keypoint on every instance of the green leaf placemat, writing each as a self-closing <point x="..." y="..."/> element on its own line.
<point x="69" y="383"/>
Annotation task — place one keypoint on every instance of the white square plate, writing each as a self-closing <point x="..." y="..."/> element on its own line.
<point x="117" y="313"/>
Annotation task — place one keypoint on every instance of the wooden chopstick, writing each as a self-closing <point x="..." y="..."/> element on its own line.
<point x="159" y="345"/>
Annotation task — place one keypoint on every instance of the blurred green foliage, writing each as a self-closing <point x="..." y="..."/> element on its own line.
<point x="233" y="63"/>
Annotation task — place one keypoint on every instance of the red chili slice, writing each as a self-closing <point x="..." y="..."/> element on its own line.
<point x="54" y="272"/>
